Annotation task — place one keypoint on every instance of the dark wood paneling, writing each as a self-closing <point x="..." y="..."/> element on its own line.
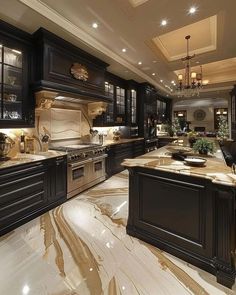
<point x="189" y="217"/>
<point x="55" y="57"/>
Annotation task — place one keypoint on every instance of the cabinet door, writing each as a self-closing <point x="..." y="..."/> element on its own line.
<point x="133" y="102"/>
<point x="23" y="192"/>
<point x="120" y="105"/>
<point x="58" y="179"/>
<point x="16" y="109"/>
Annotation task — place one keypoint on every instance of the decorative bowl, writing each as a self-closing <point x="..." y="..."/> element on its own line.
<point x="195" y="161"/>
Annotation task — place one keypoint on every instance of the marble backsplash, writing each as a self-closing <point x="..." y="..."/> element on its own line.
<point x="66" y="124"/>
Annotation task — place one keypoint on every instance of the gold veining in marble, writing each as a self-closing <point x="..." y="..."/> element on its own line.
<point x="107" y="192"/>
<point x="83" y="257"/>
<point x="81" y="248"/>
<point x="51" y="240"/>
<point x="178" y="272"/>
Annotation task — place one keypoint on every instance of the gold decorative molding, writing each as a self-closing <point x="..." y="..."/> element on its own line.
<point x="96" y="108"/>
<point x="45" y="99"/>
<point x="79" y="72"/>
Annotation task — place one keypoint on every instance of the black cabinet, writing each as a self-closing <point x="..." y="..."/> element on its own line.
<point x="116" y="112"/>
<point x="154" y="109"/>
<point x="118" y="152"/>
<point x="24" y="190"/>
<point x="67" y="69"/>
<point x="58" y="179"/>
<point x="30" y="189"/>
<point x="233" y="113"/>
<point x="16" y="62"/>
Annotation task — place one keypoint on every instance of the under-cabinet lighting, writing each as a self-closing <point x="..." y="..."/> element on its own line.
<point x="59" y="97"/>
<point x="16" y="51"/>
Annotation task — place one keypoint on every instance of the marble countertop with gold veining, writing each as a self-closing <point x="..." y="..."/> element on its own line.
<point x="122" y="140"/>
<point x="215" y="168"/>
<point x="20" y="159"/>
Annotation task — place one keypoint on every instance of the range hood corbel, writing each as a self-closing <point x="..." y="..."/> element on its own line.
<point x="45" y="99"/>
<point x="96" y="108"/>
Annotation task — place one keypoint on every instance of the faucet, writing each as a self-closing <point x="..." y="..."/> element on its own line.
<point x="39" y="142"/>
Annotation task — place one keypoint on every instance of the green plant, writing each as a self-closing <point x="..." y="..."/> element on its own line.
<point x="223" y="128"/>
<point x="204" y="146"/>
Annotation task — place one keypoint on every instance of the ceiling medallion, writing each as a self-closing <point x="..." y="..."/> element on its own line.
<point x="79" y="72"/>
<point x="191" y="82"/>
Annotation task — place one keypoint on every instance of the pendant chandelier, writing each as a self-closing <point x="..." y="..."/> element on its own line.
<point x="191" y="82"/>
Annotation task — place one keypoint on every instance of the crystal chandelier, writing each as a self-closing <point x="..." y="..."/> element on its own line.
<point x="191" y="82"/>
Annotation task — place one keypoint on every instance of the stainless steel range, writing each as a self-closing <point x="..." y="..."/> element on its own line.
<point x="86" y="166"/>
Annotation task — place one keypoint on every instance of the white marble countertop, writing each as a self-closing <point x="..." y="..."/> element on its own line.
<point x="19" y="158"/>
<point x="160" y="159"/>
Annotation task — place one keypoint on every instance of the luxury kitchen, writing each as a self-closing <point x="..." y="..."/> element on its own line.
<point x="117" y="147"/>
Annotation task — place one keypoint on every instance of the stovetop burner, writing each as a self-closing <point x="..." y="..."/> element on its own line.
<point x="75" y="147"/>
<point x="79" y="152"/>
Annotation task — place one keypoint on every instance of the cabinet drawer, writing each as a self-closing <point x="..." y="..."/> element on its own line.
<point x="22" y="196"/>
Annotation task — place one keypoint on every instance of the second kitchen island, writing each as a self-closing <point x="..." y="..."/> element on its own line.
<point x="186" y="211"/>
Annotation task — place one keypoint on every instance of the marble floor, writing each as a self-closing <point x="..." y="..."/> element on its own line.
<point x="82" y="248"/>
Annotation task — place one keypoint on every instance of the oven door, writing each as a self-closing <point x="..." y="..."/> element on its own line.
<point x="98" y="167"/>
<point x="78" y="174"/>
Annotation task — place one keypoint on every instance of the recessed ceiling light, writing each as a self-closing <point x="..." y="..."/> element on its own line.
<point x="192" y="10"/>
<point x="164" y="22"/>
<point x="95" y="25"/>
<point x="139" y="62"/>
<point x="173" y="82"/>
<point x="161" y="81"/>
<point x="124" y="50"/>
<point x="154" y="61"/>
<point x="154" y="74"/>
<point x="197" y="62"/>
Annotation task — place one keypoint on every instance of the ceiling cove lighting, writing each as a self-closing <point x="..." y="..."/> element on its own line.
<point x="164" y="22"/>
<point x="190" y="82"/>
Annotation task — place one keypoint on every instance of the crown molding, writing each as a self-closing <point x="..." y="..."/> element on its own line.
<point x="77" y="32"/>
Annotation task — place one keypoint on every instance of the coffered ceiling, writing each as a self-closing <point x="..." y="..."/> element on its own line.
<point x="135" y="25"/>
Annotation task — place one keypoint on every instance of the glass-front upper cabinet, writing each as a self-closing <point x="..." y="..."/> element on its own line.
<point x="133" y="98"/>
<point x="109" y="91"/>
<point x="120" y="105"/>
<point x="16" y="61"/>
<point x="11" y="83"/>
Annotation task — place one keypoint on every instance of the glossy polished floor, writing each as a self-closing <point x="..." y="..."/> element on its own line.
<point x="82" y="248"/>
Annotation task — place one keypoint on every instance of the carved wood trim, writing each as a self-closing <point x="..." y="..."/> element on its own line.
<point x="45" y="99"/>
<point x="96" y="108"/>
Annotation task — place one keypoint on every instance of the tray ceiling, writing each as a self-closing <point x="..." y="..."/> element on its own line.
<point x="129" y="24"/>
<point x="203" y="39"/>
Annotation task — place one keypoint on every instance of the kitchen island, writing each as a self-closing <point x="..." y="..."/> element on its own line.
<point x="186" y="211"/>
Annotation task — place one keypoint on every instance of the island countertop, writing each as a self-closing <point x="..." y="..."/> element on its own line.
<point x="160" y="159"/>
